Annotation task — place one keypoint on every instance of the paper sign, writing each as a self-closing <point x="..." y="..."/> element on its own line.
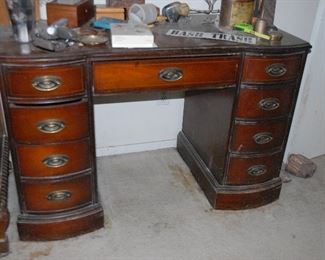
<point x="214" y="36"/>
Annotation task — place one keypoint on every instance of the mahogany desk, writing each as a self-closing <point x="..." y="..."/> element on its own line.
<point x="239" y="102"/>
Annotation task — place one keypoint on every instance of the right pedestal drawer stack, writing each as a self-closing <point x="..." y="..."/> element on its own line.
<point x="262" y="118"/>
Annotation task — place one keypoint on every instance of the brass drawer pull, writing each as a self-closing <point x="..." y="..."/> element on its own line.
<point x="56" y="161"/>
<point x="51" y="126"/>
<point x="171" y="74"/>
<point x="46" y="83"/>
<point x="257" y="170"/>
<point x="59" y="195"/>
<point x="269" y="104"/>
<point x="263" y="138"/>
<point x="276" y="70"/>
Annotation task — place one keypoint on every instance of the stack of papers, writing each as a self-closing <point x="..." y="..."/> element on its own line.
<point x="124" y="35"/>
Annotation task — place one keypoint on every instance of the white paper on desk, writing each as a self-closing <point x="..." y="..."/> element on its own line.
<point x="124" y="35"/>
<point x="213" y="36"/>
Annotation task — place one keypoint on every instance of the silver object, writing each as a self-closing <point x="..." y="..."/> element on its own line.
<point x="56" y="161"/>
<point x="46" y="83"/>
<point x="263" y="138"/>
<point x="260" y="26"/>
<point x="276" y="70"/>
<point x="269" y="104"/>
<point x="171" y="74"/>
<point x="51" y="126"/>
<point x="59" y="195"/>
<point x="257" y="170"/>
<point x="51" y="30"/>
<point x="93" y="39"/>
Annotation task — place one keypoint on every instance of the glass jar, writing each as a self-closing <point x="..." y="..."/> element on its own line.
<point x="235" y="11"/>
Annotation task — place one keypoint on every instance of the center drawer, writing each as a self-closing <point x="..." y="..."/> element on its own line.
<point x="119" y="76"/>
<point x="54" y="123"/>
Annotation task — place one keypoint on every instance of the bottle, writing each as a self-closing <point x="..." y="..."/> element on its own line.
<point x="235" y="11"/>
<point x="21" y="14"/>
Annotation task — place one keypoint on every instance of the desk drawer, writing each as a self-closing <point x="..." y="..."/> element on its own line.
<point x="122" y="76"/>
<point x="55" y="123"/>
<point x="53" y="159"/>
<point x="45" y="82"/>
<point x="258" y="136"/>
<point x="252" y="170"/>
<point x="262" y="102"/>
<point x="57" y="195"/>
<point x="271" y="68"/>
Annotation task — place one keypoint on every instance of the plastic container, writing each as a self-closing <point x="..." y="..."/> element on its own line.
<point x="235" y="11"/>
<point x="144" y="13"/>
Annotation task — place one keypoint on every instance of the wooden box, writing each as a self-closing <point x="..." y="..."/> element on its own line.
<point x="77" y="14"/>
<point x="112" y="12"/>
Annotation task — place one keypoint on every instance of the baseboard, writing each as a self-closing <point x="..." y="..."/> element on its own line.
<point x="134" y="148"/>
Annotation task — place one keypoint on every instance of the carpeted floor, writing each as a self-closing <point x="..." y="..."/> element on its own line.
<point x="155" y="210"/>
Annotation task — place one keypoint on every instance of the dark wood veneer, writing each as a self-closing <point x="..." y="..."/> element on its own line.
<point x="26" y="119"/>
<point x="41" y="227"/>
<point x="20" y="80"/>
<point x="31" y="158"/>
<point x="237" y="169"/>
<point x="244" y="132"/>
<point x="144" y="75"/>
<point x="255" y="68"/>
<point x="223" y="84"/>
<point x="36" y="194"/>
<point x="250" y="97"/>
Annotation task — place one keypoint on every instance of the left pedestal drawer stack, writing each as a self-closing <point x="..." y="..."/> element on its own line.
<point x="50" y="119"/>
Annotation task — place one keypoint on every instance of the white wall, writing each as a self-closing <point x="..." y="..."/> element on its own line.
<point x="140" y="126"/>
<point x="308" y="129"/>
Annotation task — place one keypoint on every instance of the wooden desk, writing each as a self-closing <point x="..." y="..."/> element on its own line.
<point x="239" y="102"/>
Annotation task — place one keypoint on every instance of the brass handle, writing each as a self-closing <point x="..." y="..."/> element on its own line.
<point x="46" y="83"/>
<point x="257" y="170"/>
<point x="269" y="104"/>
<point x="171" y="74"/>
<point x="263" y="138"/>
<point x="56" y="161"/>
<point x="276" y="70"/>
<point x="59" y="195"/>
<point x="51" y="126"/>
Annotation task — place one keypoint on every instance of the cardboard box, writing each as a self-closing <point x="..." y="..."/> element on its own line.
<point x="77" y="14"/>
<point x="112" y="12"/>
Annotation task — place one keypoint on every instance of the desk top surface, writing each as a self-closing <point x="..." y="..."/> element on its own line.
<point x="167" y="46"/>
